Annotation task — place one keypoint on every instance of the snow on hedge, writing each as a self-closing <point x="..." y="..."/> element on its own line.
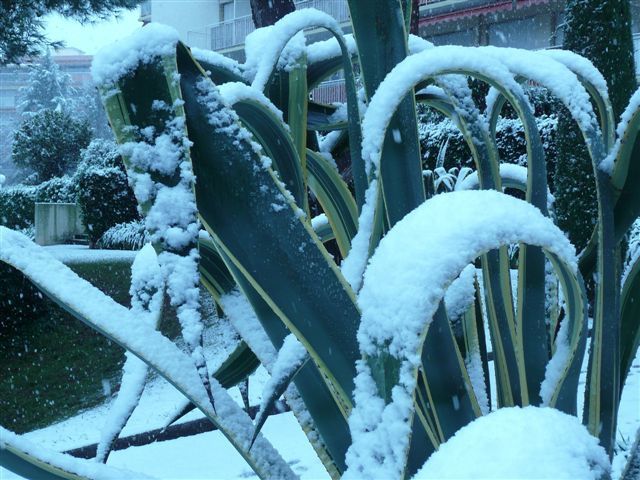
<point x="403" y="285"/>
<point x="519" y="443"/>
<point x="265" y="47"/>
<point x="122" y="57"/>
<point x="19" y="445"/>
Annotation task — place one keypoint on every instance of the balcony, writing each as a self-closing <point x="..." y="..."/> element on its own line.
<point x="233" y="32"/>
<point x="145" y="11"/>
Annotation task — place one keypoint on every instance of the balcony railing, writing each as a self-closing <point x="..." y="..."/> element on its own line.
<point x="233" y="32"/>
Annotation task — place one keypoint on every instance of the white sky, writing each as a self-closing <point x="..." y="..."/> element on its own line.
<point x="91" y="37"/>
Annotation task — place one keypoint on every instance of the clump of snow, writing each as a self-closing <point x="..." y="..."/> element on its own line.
<point x="265" y="46"/>
<point x="556" y="366"/>
<point x="520" y="443"/>
<point x="354" y="265"/>
<point x="233" y="92"/>
<point x="144" y="46"/>
<point x="215" y="58"/>
<point x="461" y="293"/>
<point x="330" y="48"/>
<point x="607" y="164"/>
<point x="426" y="251"/>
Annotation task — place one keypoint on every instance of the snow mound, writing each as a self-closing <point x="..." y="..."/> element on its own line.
<point x="116" y="60"/>
<point x="518" y="443"/>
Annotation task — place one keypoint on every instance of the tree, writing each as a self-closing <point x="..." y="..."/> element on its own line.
<point x="599" y="30"/>
<point x="49" y="143"/>
<point x="268" y="12"/>
<point x="48" y="88"/>
<point x="21" y="22"/>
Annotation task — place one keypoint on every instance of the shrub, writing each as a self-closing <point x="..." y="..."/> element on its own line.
<point x="17" y="206"/>
<point x="104" y="195"/>
<point x="124" y="236"/>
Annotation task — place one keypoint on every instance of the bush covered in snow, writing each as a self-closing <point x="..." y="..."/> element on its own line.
<point x="104" y="195"/>
<point x="49" y="143"/>
<point x="124" y="236"/>
<point x="442" y="141"/>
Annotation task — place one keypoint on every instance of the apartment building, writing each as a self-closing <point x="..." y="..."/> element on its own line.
<point x="222" y="25"/>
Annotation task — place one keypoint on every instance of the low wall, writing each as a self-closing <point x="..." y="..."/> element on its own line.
<point x="56" y="222"/>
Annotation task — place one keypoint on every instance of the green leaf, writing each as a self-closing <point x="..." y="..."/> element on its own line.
<point x="236" y="195"/>
<point x="629" y="320"/>
<point x="381" y="45"/>
<point x="335" y="198"/>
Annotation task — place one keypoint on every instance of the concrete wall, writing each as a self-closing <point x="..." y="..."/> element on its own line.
<point x="56" y="222"/>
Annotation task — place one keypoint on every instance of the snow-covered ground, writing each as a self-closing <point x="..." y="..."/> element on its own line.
<point x="210" y="456"/>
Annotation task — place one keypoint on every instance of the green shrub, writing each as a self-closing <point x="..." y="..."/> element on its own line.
<point x="124" y="236"/>
<point x="17" y="206"/>
<point x="104" y="195"/>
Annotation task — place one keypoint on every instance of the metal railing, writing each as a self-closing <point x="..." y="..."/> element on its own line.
<point x="329" y="92"/>
<point x="233" y="32"/>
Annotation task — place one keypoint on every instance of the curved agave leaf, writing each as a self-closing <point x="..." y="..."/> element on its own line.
<point x="626" y="170"/>
<point x="291" y="25"/>
<point x="594" y="83"/>
<point x="246" y="210"/>
<point x="629" y="320"/>
<point x="256" y="113"/>
<point x="30" y="461"/>
<point x="401" y="170"/>
<point x="100" y="312"/>
<point x="396" y="346"/>
<point x="335" y="198"/>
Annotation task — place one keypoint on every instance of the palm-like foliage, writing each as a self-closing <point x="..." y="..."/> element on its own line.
<point x="253" y="147"/>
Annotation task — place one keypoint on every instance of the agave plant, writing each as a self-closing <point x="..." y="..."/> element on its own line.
<point x="389" y="338"/>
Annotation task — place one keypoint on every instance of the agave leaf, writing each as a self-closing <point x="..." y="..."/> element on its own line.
<point x="114" y="321"/>
<point x="626" y="171"/>
<point x="289" y="28"/>
<point x="271" y="133"/>
<point x="335" y="198"/>
<point x="236" y="201"/>
<point x="629" y="320"/>
<point x="291" y="358"/>
<point x="297" y="118"/>
<point x="381" y="46"/>
<point x="23" y="458"/>
<point x="319" y="118"/>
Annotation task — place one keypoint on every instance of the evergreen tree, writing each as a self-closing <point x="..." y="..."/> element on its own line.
<point x="47" y="88"/>
<point x="49" y="143"/>
<point x="599" y="30"/>
<point x="21" y="22"/>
